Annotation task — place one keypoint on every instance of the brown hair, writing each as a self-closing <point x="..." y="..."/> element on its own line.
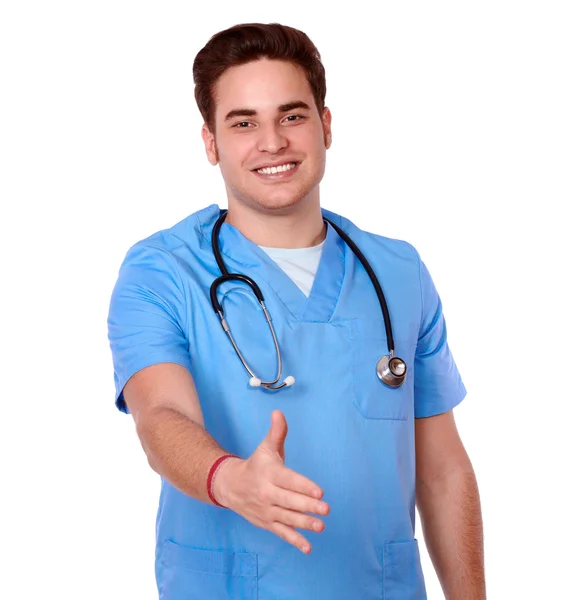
<point x="248" y="42"/>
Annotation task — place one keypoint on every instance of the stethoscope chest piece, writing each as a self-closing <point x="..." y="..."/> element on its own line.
<point x="391" y="370"/>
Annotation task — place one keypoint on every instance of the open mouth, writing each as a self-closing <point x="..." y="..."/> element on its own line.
<point x="283" y="171"/>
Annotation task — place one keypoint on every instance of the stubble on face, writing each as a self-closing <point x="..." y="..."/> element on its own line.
<point x="276" y="200"/>
<point x="268" y="137"/>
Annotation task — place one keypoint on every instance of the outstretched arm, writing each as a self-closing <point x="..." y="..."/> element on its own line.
<point x="448" y="503"/>
<point x="163" y="401"/>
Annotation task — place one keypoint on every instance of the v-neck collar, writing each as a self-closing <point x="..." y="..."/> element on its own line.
<point x="241" y="255"/>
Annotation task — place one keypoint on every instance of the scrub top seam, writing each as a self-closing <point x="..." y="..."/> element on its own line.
<point x="297" y="319"/>
<point x="257" y="276"/>
<point x="344" y="250"/>
<point x="300" y="318"/>
<point x="209" y="242"/>
<point x="418" y="260"/>
<point x="200" y="231"/>
<point x="439" y="311"/>
<point x="184" y="324"/>
<point x="333" y="310"/>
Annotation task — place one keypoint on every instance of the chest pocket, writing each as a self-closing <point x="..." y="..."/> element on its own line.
<point x="373" y="398"/>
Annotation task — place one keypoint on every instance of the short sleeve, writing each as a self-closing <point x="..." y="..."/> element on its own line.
<point x="146" y="321"/>
<point x="437" y="385"/>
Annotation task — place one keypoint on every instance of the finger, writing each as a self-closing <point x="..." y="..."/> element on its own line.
<point x="297" y="519"/>
<point x="293" y="537"/>
<point x="275" y="439"/>
<point x="299" y="502"/>
<point x="291" y="480"/>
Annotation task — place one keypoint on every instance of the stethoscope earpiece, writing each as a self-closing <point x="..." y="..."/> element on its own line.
<point x="256" y="382"/>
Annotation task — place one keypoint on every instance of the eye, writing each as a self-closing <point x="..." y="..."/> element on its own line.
<point x="294" y="118"/>
<point x="241" y="125"/>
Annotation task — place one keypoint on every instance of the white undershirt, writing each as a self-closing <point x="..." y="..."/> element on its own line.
<point x="300" y="264"/>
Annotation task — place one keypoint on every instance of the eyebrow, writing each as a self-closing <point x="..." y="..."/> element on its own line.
<point x="248" y="112"/>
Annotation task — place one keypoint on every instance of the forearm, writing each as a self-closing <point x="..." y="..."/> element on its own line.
<point x="450" y="513"/>
<point x="180" y="450"/>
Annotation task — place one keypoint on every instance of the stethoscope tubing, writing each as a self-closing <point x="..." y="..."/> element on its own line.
<point x="373" y="279"/>
<point x="392" y="376"/>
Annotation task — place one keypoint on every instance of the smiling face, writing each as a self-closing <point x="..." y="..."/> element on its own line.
<point x="266" y="118"/>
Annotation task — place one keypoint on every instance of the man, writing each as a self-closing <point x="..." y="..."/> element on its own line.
<point x="336" y="452"/>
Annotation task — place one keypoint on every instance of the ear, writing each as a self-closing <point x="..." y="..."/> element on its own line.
<point x="326" y="121"/>
<point x="210" y="145"/>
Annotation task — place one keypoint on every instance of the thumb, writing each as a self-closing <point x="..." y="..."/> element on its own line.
<point x="275" y="440"/>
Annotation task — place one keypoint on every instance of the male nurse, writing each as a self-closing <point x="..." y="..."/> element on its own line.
<point x="310" y="491"/>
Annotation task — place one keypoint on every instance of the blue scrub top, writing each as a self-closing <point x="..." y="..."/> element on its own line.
<point x="348" y="432"/>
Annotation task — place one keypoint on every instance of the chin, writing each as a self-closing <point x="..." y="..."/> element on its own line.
<point x="274" y="200"/>
<point x="282" y="199"/>
<point x="278" y="203"/>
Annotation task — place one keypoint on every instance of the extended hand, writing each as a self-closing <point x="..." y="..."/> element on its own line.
<point x="267" y="493"/>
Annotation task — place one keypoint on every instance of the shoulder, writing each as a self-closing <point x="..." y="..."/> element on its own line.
<point x="400" y="252"/>
<point x="172" y="244"/>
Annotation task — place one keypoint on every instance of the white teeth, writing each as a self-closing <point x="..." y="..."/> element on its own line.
<point x="279" y="169"/>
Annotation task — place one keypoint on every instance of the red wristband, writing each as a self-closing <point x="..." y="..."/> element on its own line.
<point x="211" y="474"/>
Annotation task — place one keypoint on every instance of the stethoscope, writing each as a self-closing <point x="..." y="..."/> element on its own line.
<point x="391" y="370"/>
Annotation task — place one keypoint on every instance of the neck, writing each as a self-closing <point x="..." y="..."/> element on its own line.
<point x="299" y="227"/>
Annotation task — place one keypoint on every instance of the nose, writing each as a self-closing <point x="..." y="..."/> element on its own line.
<point x="271" y="139"/>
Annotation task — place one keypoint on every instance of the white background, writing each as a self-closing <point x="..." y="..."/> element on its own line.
<point x="451" y="130"/>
